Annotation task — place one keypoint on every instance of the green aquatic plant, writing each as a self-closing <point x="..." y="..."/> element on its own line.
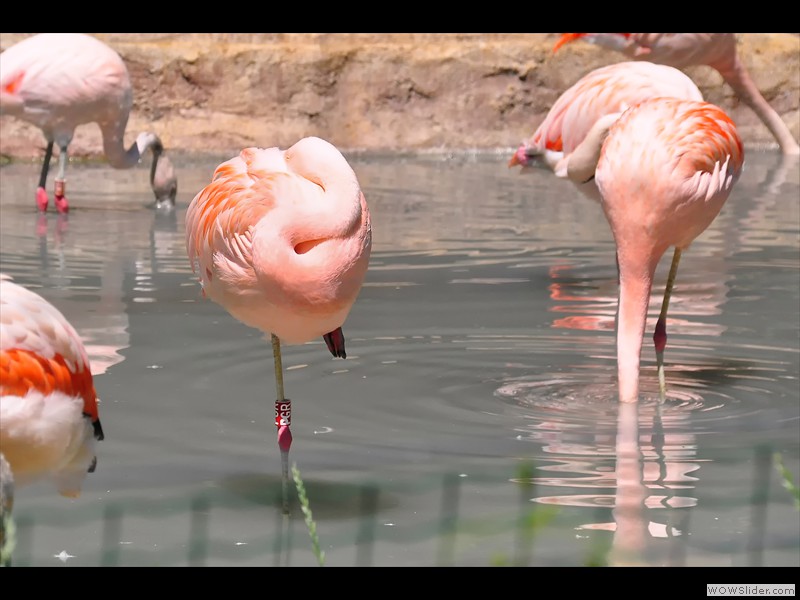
<point x="786" y="479"/>
<point x="309" y="517"/>
<point x="7" y="539"/>
<point x="530" y="522"/>
<point x="7" y="529"/>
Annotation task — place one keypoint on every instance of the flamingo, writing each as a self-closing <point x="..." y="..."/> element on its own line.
<point x="680" y="50"/>
<point x="49" y="422"/>
<point x="58" y="81"/>
<point x="281" y="239"/>
<point x="568" y="139"/>
<point x="665" y="169"/>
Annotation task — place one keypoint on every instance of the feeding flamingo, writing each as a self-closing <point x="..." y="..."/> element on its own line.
<point x="282" y="239"/>
<point x="569" y="138"/>
<point x="680" y="50"/>
<point x="665" y="170"/>
<point x="49" y="422"/>
<point x="58" y="81"/>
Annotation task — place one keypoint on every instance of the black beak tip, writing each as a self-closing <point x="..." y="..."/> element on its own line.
<point x="335" y="342"/>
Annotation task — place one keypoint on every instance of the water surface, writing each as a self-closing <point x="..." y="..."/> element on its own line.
<point x="475" y="420"/>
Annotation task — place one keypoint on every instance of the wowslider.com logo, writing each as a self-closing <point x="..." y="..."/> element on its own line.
<point x="757" y="589"/>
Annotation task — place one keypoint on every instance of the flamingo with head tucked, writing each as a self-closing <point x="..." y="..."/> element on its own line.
<point x="281" y="239"/>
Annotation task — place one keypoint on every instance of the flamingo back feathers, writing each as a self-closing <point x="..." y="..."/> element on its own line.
<point x="49" y="420"/>
<point x="607" y="90"/>
<point x="668" y="161"/>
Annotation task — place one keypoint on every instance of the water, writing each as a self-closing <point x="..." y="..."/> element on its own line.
<point x="475" y="419"/>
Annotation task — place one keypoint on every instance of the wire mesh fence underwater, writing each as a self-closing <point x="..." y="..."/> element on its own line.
<point x="509" y="536"/>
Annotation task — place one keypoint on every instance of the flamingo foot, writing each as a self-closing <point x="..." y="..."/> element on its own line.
<point x="660" y="341"/>
<point x="61" y="204"/>
<point x="660" y="335"/>
<point x="284" y="438"/>
<point x="41" y="199"/>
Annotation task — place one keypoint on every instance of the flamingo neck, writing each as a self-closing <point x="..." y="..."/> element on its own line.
<point x="736" y="75"/>
<point x="635" y="284"/>
<point x="583" y="159"/>
<point x="157" y="149"/>
<point x="121" y="158"/>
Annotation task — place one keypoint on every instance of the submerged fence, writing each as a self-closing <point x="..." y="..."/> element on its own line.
<point x="351" y="529"/>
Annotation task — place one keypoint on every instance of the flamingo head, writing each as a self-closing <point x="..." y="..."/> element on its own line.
<point x="164" y="182"/>
<point x="520" y="157"/>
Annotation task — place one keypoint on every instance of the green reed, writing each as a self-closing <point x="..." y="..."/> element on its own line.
<point x="309" y="517"/>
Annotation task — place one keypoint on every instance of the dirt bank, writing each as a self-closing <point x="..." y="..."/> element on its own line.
<point x="217" y="93"/>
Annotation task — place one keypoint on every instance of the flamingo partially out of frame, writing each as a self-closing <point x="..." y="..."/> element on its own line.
<point x="282" y="239"/>
<point x="49" y="421"/>
<point x="681" y="50"/>
<point x="58" y="81"/>
<point x="665" y="169"/>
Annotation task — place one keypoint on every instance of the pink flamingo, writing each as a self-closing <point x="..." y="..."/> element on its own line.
<point x="680" y="50"/>
<point x="58" y="81"/>
<point x="281" y="239"/>
<point x="49" y="421"/>
<point x="664" y="171"/>
<point x="568" y="139"/>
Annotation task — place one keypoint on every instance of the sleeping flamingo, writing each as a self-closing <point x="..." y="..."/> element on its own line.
<point x="58" y="81"/>
<point x="282" y="239"/>
<point x="680" y="50"/>
<point x="49" y="422"/>
<point x="568" y="139"/>
<point x="664" y="171"/>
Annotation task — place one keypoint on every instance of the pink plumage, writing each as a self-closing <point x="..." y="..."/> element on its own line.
<point x="666" y="168"/>
<point x="49" y="420"/>
<point x="681" y="50"/>
<point x="59" y="81"/>
<point x="282" y="238"/>
<point x="567" y="141"/>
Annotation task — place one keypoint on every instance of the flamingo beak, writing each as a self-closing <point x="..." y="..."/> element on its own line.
<point x="335" y="342"/>
<point x="520" y="157"/>
<point x="566" y="38"/>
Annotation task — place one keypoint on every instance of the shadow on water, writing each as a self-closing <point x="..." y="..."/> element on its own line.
<point x="331" y="500"/>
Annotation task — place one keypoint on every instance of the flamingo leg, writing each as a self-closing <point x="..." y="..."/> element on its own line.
<point x="41" y="191"/>
<point x="60" y="200"/>
<point x="283" y="419"/>
<point x="660" y="334"/>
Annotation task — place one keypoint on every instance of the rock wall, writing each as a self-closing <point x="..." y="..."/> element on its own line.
<point x="218" y="93"/>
